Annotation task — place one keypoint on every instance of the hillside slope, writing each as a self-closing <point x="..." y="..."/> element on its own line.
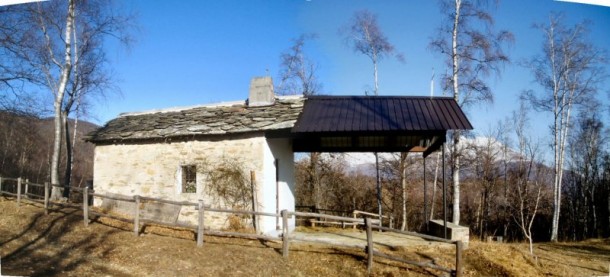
<point x="58" y="244"/>
<point x="26" y="148"/>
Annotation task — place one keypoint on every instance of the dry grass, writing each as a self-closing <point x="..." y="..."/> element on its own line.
<point x="58" y="244"/>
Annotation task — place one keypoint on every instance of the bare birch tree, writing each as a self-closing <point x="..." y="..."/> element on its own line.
<point x="528" y="189"/>
<point x="585" y="164"/>
<point x="65" y="45"/>
<point x="435" y="184"/>
<point x="568" y="72"/>
<point x="297" y="72"/>
<point x="90" y="77"/>
<point x="473" y="51"/>
<point x="59" y="88"/>
<point x="14" y="74"/>
<point x="485" y="160"/>
<point x="364" y="35"/>
<point x="298" y="76"/>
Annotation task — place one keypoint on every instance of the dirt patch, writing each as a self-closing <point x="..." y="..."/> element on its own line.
<point x="58" y="244"/>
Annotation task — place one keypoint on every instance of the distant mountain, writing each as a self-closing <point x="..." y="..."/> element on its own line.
<point x="364" y="163"/>
<point x="84" y="127"/>
<point x="473" y="148"/>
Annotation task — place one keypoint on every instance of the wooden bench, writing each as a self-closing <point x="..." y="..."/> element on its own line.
<point x="454" y="231"/>
<point x="313" y="222"/>
<point x="499" y="239"/>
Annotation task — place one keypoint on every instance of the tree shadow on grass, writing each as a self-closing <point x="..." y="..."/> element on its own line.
<point x="332" y="251"/>
<point x="360" y="256"/>
<point x="409" y="268"/>
<point x="39" y="218"/>
<point x="50" y="246"/>
<point x="28" y="228"/>
<point x="575" y="251"/>
<point x="579" y="251"/>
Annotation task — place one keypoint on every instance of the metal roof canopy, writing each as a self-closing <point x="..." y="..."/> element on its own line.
<point x="376" y="124"/>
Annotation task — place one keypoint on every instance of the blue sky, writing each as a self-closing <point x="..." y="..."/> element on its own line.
<point x="197" y="52"/>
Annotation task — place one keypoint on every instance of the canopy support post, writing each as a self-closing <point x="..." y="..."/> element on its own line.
<point x="444" y="193"/>
<point x="378" y="189"/>
<point x="425" y="196"/>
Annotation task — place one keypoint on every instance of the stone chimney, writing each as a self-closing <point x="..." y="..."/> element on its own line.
<point x="261" y="92"/>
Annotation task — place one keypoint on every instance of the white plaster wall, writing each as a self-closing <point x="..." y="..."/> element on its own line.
<point x="280" y="149"/>
<point x="153" y="169"/>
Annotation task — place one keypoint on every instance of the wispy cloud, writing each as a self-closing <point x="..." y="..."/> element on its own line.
<point x="589" y="2"/>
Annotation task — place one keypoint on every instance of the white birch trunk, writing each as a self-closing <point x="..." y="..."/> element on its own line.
<point x="375" y="73"/>
<point x="556" y="129"/>
<point x="456" y="138"/>
<point x="75" y="129"/>
<point x="562" y="124"/>
<point x="556" y="182"/>
<point x="379" y="192"/>
<point x="57" y="105"/>
<point x="529" y="226"/>
<point x="68" y="141"/>
<point x="438" y="157"/>
<point x="71" y="144"/>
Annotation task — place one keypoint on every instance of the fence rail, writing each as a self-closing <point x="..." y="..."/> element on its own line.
<point x="165" y="201"/>
<point x="285" y="238"/>
<point x="355" y="214"/>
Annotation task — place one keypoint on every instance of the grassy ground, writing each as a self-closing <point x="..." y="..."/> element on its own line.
<point x="35" y="244"/>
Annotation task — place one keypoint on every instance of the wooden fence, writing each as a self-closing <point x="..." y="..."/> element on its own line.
<point x="22" y="187"/>
<point x="356" y="214"/>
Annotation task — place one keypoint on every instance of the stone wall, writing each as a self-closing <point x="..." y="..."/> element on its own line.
<point x="154" y="170"/>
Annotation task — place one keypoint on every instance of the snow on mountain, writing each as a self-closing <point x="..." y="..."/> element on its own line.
<point x="481" y="145"/>
<point x="364" y="163"/>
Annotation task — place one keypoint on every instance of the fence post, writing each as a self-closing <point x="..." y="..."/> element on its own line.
<point x="458" y="258"/>
<point x="25" y="194"/>
<point x="46" y="197"/>
<point x="86" y="205"/>
<point x="18" y="191"/>
<point x="200" y="225"/>
<point x="89" y="184"/>
<point x="285" y="240"/>
<point x="136" y="219"/>
<point x="254" y="201"/>
<point x="355" y="223"/>
<point x="1" y="185"/>
<point x="369" y="244"/>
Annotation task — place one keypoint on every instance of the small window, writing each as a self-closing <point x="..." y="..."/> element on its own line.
<point x="189" y="179"/>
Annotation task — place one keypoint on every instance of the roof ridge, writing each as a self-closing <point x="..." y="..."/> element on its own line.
<point x="378" y="96"/>
<point x="208" y="105"/>
<point x="183" y="108"/>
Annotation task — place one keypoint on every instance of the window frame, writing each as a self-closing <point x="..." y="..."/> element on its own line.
<point x="188" y="174"/>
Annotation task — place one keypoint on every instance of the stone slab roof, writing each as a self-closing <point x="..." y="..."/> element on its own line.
<point x="203" y="120"/>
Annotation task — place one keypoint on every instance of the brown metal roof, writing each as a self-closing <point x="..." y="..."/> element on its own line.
<point x="380" y="114"/>
<point x="376" y="124"/>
